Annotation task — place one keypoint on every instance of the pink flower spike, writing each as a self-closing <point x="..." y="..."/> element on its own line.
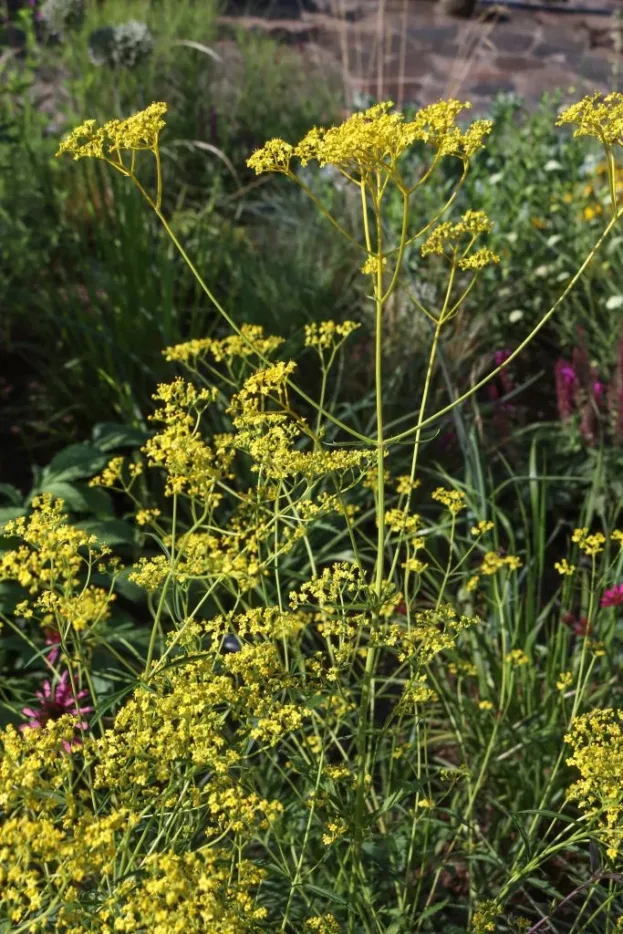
<point x="566" y="381"/>
<point x="613" y="597"/>
<point x="54" y="702"/>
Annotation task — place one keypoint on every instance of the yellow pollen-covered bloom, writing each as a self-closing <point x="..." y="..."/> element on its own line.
<point x="598" y="116"/>
<point x="564" y="568"/>
<point x="138" y="132"/>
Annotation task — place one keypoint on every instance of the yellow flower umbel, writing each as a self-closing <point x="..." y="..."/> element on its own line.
<point x="602" y="118"/>
<point x="375" y="139"/>
<point x="590" y="544"/>
<point x="455" y="242"/>
<point x="453" y="500"/>
<point x="598" y="116"/>
<point x="139" y="132"/>
<point x="113" y="141"/>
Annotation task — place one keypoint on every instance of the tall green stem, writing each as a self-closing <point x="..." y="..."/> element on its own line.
<point x="364" y="707"/>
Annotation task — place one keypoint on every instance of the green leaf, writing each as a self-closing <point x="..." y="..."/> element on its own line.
<point x="109" y="531"/>
<point x="128" y="589"/>
<point x="110" y="436"/>
<point x="433" y="909"/>
<point x="78" y="497"/>
<point x="326" y="893"/>
<point x="10" y="595"/>
<point x="77" y="462"/>
<point x="11" y="492"/>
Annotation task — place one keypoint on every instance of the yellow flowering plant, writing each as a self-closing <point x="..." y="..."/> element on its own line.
<point x="308" y="630"/>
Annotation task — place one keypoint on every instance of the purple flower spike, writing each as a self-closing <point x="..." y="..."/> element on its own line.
<point x="566" y="381"/>
<point x="567" y="374"/>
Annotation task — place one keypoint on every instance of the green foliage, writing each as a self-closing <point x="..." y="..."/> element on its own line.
<point x="325" y="711"/>
<point x="110" y="291"/>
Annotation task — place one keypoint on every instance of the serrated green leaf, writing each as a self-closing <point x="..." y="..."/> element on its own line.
<point x="326" y="893"/>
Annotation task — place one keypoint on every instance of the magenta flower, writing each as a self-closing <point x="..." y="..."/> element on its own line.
<point x="501" y="356"/>
<point x="598" y="390"/>
<point x="56" y="701"/>
<point x="613" y="597"/>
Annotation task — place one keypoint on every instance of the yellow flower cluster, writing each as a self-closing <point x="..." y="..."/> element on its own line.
<point x="205" y="556"/>
<point x="482" y="527"/>
<point x="375" y="140"/>
<point x="402" y="522"/>
<point x="590" y="544"/>
<point x="52" y="548"/>
<point x="85" y="609"/>
<point x="139" y="132"/>
<point x="173" y="720"/>
<point x="449" y="235"/>
<point x="53" y="846"/>
<point x="405" y="485"/>
<point x="181" y="717"/>
<point x="49" y="565"/>
<point x="484" y="918"/>
<point x="323" y="924"/>
<point x="251" y="341"/>
<point x="414" y="565"/>
<point x="516" y="658"/>
<point x="186" y="894"/>
<point x="328" y="335"/>
<point x="372" y="265"/>
<point x="453" y="500"/>
<point x="415" y="693"/>
<point x="564" y="568"/>
<point x="463" y="668"/>
<point x="111" y="475"/>
<point x="270" y="436"/>
<point x="598" y="116"/>
<point x="192" y="466"/>
<point x="491" y="563"/>
<point x="274" y="156"/>
<point x="426" y="803"/>
<point x="330" y="588"/>
<point x="596" y="739"/>
<point x="432" y="631"/>
<point x="335" y="829"/>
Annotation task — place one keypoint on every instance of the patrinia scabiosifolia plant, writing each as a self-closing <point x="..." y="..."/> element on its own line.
<point x="265" y="764"/>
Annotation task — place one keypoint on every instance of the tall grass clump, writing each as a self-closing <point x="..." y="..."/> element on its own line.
<point x="112" y="290"/>
<point x="357" y="709"/>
